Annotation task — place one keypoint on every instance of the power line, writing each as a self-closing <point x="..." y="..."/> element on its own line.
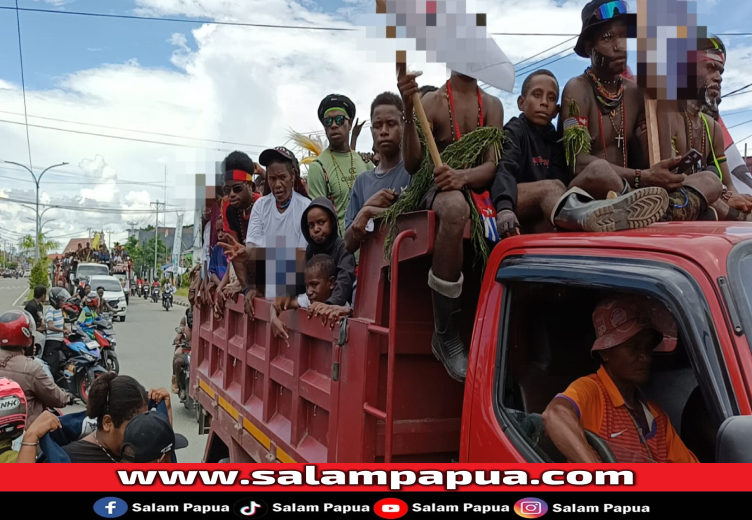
<point x="543" y="52"/>
<point x="117" y="182"/>
<point x="735" y="92"/>
<point x="23" y="85"/>
<point x="79" y="208"/>
<point x="266" y="26"/>
<point x="116" y="136"/>
<point x="740" y="124"/>
<point x="134" y="130"/>
<point x="180" y="20"/>
<point x="77" y="175"/>
<point x="539" y="64"/>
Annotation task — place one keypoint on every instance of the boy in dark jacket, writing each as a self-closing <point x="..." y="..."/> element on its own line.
<point x="533" y="174"/>
<point x="321" y="231"/>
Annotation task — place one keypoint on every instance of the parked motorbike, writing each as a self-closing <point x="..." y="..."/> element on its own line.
<point x="166" y="301"/>
<point x="184" y="376"/>
<point x="80" y="364"/>
<point x="155" y="294"/>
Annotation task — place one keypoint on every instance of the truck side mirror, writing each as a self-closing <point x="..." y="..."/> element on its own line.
<point x="733" y="440"/>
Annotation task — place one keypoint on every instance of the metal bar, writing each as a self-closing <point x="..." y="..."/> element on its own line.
<point x="375" y="412"/>
<point x="378" y="329"/>
<point x="393" y="293"/>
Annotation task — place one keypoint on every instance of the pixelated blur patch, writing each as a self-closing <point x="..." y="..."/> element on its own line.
<point x="480" y="19"/>
<point x="391" y="31"/>
<point x="431" y="20"/>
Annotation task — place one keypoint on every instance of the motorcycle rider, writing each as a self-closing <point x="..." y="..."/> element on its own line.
<point x="102" y="306"/>
<point x="168" y="291"/>
<point x="16" y="334"/>
<point x="178" y="362"/>
<point x="55" y="329"/>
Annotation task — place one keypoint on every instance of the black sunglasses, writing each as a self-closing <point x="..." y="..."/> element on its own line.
<point x="235" y="189"/>
<point x="340" y="120"/>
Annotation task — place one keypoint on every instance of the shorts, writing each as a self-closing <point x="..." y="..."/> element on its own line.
<point x="426" y="202"/>
<point x="684" y="205"/>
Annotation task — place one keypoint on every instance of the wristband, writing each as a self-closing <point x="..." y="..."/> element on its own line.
<point x="637" y="178"/>
<point x="29" y="443"/>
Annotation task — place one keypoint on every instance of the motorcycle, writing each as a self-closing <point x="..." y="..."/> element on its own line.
<point x="80" y="364"/>
<point x="155" y="294"/>
<point x="184" y="376"/>
<point x="166" y="301"/>
<point x="107" y="343"/>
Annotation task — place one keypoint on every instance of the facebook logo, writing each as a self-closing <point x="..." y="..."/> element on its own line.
<point x="110" y="507"/>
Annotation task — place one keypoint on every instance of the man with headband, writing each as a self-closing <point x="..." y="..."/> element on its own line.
<point x="333" y="173"/>
<point x="687" y="128"/>
<point x="605" y="133"/>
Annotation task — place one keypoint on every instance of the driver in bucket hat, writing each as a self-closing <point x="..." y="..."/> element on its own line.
<point x="609" y="403"/>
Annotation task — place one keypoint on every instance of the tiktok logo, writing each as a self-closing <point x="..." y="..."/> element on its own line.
<point x="254" y="508"/>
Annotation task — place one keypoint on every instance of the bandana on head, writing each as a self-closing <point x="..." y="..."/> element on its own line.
<point x="238" y="175"/>
<point x="335" y="110"/>
<point x="716" y="56"/>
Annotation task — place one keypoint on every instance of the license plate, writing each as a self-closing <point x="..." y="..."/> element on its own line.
<point x="91" y="345"/>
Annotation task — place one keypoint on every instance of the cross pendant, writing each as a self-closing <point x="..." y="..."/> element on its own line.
<point x="619" y="140"/>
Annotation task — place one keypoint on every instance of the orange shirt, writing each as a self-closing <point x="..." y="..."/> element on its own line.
<point x="602" y="410"/>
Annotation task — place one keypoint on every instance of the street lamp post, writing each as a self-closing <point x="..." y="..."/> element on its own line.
<point x="37" y="180"/>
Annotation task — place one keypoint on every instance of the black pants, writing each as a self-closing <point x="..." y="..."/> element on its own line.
<point x="52" y="350"/>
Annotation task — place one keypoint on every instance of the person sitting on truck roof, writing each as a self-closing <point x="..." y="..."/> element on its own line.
<point x="609" y="403"/>
<point x="319" y="226"/>
<point x="533" y="174"/>
<point x="320" y="282"/>
<point x="376" y="190"/>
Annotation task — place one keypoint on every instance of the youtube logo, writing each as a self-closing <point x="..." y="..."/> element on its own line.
<point x="390" y="508"/>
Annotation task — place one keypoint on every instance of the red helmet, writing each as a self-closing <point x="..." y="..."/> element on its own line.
<point x="12" y="409"/>
<point x="16" y="329"/>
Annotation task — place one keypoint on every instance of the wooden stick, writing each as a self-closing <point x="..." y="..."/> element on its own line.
<point x="651" y="118"/>
<point x="421" y="113"/>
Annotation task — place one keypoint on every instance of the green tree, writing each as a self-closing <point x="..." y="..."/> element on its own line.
<point x="39" y="275"/>
<point x="27" y="244"/>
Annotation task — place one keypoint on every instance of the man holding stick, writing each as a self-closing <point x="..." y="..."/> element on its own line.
<point x="603" y="117"/>
<point x="457" y="108"/>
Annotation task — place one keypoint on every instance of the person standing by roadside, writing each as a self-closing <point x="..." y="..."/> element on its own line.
<point x="35" y="307"/>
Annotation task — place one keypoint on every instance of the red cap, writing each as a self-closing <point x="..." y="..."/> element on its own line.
<point x="618" y="321"/>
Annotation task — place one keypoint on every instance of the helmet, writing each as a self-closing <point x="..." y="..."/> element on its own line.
<point x="16" y="329"/>
<point x="12" y="409"/>
<point x="58" y="296"/>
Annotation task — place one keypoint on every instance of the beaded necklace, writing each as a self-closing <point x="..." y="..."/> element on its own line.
<point x="456" y="134"/>
<point x="609" y="104"/>
<point x="282" y="207"/>
<point x="691" y="137"/>
<point x="341" y="173"/>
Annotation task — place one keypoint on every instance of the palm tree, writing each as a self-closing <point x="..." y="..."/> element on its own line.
<point x="28" y="244"/>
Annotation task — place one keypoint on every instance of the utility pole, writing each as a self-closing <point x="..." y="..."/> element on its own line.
<point x="156" y="235"/>
<point x="132" y="228"/>
<point x="37" y="180"/>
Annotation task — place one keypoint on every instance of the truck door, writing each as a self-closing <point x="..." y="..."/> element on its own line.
<point x="545" y="337"/>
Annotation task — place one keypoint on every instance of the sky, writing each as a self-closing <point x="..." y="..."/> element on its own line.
<point x="175" y="98"/>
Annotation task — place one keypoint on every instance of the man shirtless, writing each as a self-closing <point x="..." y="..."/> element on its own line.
<point x="687" y="128"/>
<point x="472" y="108"/>
<point x="612" y="110"/>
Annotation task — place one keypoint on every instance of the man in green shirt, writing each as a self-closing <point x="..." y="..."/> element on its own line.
<point x="332" y="175"/>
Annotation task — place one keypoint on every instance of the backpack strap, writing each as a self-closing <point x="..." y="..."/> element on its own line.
<point x="712" y="148"/>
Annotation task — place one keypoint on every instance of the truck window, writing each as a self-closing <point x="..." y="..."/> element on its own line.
<point x="547" y="347"/>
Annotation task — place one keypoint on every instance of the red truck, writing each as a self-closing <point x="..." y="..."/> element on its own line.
<point x="370" y="389"/>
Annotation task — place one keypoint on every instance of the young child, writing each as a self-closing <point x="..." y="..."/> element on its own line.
<point x="320" y="282"/>
<point x="321" y="231"/>
<point x="533" y="174"/>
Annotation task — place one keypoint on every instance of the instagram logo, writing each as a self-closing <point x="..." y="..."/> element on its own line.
<point x="530" y="507"/>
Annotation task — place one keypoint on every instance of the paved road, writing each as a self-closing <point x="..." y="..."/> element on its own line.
<point x="144" y="350"/>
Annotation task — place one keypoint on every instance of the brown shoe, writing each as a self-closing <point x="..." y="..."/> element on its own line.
<point x="578" y="211"/>
<point x="175" y="389"/>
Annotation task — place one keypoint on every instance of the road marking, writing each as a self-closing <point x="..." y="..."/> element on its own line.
<point x="19" y="298"/>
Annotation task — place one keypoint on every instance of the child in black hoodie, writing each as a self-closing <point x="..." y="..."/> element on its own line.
<point x="533" y="174"/>
<point x="321" y="231"/>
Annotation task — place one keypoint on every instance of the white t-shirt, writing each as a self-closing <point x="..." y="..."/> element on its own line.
<point x="206" y="251"/>
<point x="268" y="228"/>
<point x="304" y="302"/>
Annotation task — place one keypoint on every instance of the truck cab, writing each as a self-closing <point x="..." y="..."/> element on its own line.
<point x="370" y="390"/>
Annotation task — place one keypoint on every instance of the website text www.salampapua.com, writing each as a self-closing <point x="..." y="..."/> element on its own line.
<point x="394" y="479"/>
